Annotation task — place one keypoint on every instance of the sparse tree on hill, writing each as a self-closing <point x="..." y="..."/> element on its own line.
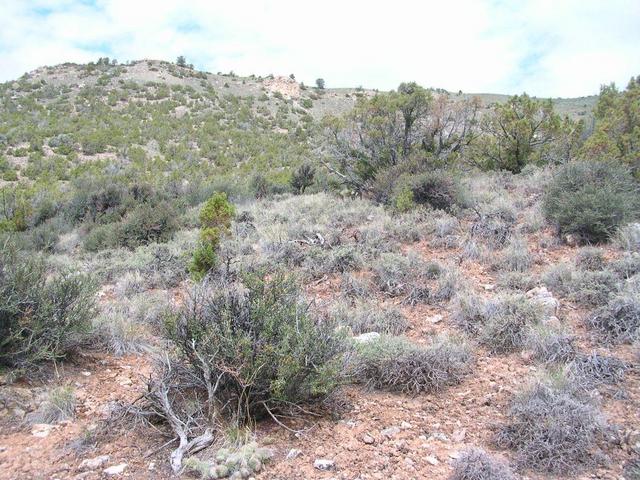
<point x="320" y="83"/>
<point x="181" y="61"/>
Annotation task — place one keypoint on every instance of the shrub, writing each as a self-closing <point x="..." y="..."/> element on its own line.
<point x="59" y="405"/>
<point x="516" y="256"/>
<point x="590" y="258"/>
<point x="476" y="464"/>
<point x="42" y="315"/>
<point x="395" y="364"/>
<point x="552" y="429"/>
<point x="593" y="370"/>
<point x="396" y="275"/>
<point x="354" y="287"/>
<point x="508" y="321"/>
<point x="628" y="237"/>
<point x="583" y="286"/>
<point x="591" y="199"/>
<point x="147" y="224"/>
<point x="215" y="220"/>
<point x="258" y="342"/>
<point x="439" y="190"/>
<point x="502" y="324"/>
<point x="551" y="345"/>
<point x="302" y="178"/>
<point x="619" y="320"/>
<point x="366" y="317"/>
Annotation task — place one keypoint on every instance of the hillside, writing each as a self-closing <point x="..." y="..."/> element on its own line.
<point x="197" y="281"/>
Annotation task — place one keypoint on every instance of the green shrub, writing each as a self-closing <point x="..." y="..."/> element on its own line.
<point x="365" y="317"/>
<point x="258" y="341"/>
<point x="42" y="315"/>
<point x="215" y="220"/>
<point x="591" y="199"/>
<point x="147" y="224"/>
<point x="302" y="178"/>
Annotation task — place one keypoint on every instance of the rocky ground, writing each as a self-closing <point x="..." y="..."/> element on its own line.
<point x="377" y="435"/>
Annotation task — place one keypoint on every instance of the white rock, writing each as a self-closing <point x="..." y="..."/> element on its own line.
<point x="546" y="299"/>
<point x="435" y="319"/>
<point x="293" y="453"/>
<point x="94" y="463"/>
<point x="367" y="337"/>
<point x="432" y="460"/>
<point x="390" y="432"/>
<point x="406" y="425"/>
<point x="324" y="464"/>
<point x="115" y="469"/>
<point x="41" y="430"/>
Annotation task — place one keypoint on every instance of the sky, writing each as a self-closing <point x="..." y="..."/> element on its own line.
<point x="547" y="48"/>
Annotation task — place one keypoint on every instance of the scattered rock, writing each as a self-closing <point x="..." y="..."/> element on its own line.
<point x="406" y="425"/>
<point x="324" y="464"/>
<point x="544" y="297"/>
<point x="94" y="463"/>
<point x="435" y="319"/>
<point x="458" y="435"/>
<point x="488" y="286"/>
<point x="390" y="432"/>
<point x="439" y="436"/>
<point x="115" y="469"/>
<point x="366" y="337"/>
<point x="41" y="430"/>
<point x="454" y="455"/>
<point x="368" y="439"/>
<point x="293" y="453"/>
<point x="432" y="460"/>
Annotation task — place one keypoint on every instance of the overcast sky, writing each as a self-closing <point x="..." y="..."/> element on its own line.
<point x="544" y="47"/>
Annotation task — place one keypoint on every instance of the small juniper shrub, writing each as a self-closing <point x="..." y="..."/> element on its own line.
<point x="45" y="314"/>
<point x="591" y="199"/>
<point x="476" y="464"/>
<point x="553" y="429"/>
<point x="215" y="221"/>
<point x="396" y="364"/>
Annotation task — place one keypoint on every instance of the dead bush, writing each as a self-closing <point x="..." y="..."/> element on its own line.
<point x="553" y="430"/>
<point x="476" y="464"/>
<point x="394" y="363"/>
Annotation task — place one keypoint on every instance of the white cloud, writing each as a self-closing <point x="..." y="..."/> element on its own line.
<point x="546" y="47"/>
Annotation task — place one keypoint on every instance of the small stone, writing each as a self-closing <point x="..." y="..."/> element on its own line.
<point x="152" y="466"/>
<point x="439" y="436"/>
<point x="94" y="463"/>
<point x="390" y="432"/>
<point x="324" y="464"/>
<point x="432" y="460"/>
<point x="85" y="373"/>
<point x="293" y="453"/>
<point x="41" y="430"/>
<point x="368" y="439"/>
<point x="488" y="286"/>
<point x="115" y="469"/>
<point x="435" y="319"/>
<point x="458" y="435"/>
<point x="454" y="455"/>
